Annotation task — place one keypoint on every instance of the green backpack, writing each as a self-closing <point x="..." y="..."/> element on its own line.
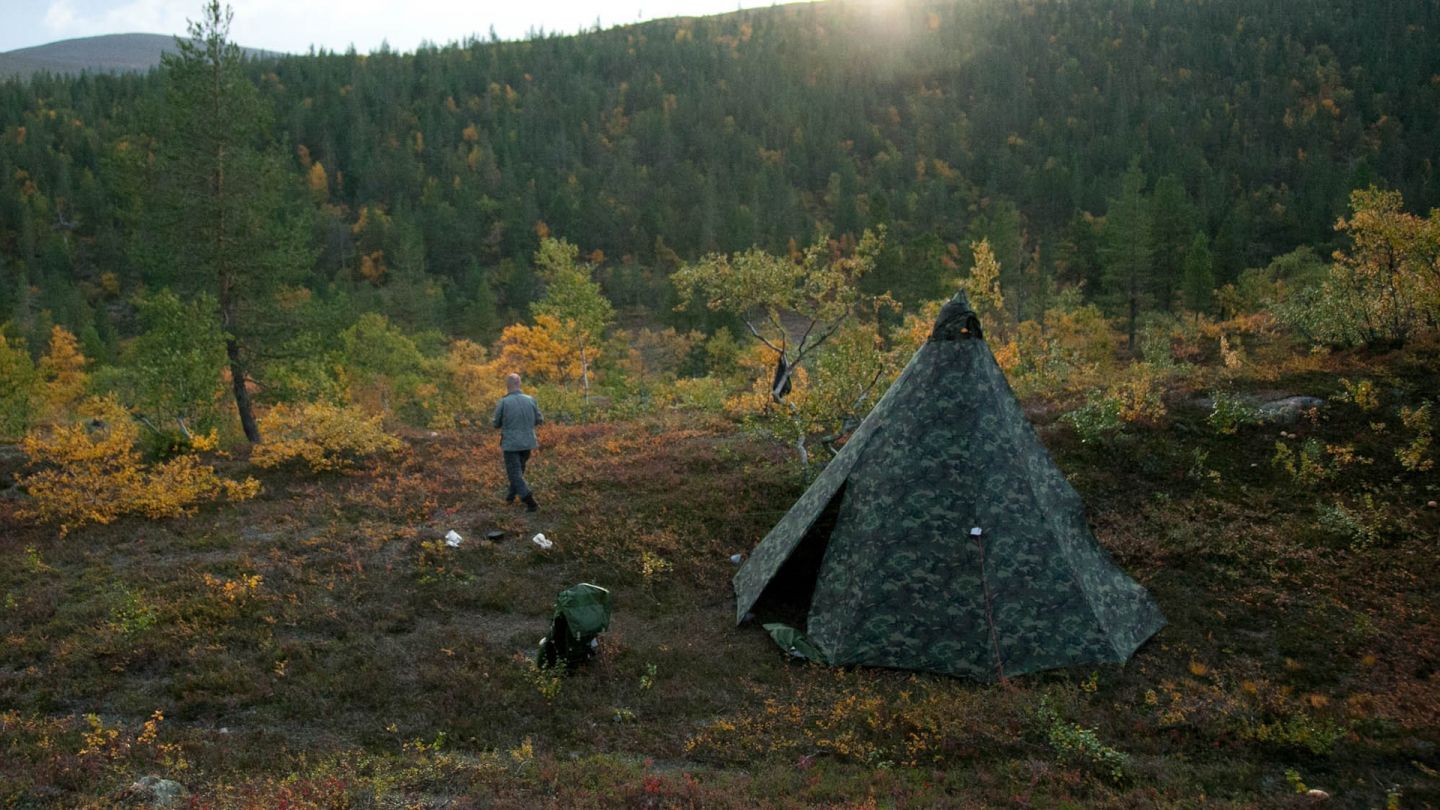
<point x="582" y="613"/>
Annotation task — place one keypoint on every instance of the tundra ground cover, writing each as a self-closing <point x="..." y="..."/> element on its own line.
<point x="321" y="646"/>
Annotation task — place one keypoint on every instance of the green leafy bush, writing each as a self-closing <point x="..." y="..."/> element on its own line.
<point x="1076" y="745"/>
<point x="1229" y="413"/>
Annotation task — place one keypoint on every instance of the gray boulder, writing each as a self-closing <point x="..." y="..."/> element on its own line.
<point x="1287" y="411"/>
<point x="157" y="792"/>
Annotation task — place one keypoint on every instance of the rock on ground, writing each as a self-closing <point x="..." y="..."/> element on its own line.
<point x="157" y="792"/>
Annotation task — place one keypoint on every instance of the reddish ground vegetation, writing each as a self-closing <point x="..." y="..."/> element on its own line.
<point x="320" y="646"/>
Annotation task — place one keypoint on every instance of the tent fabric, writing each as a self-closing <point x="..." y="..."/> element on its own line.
<point x="902" y="583"/>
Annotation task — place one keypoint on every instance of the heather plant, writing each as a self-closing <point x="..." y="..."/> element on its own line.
<point x="436" y="564"/>
<point x="322" y="436"/>
<point x="854" y="717"/>
<point x="1300" y="730"/>
<point x="115" y="747"/>
<point x="1254" y="709"/>
<point x="1361" y="525"/>
<point x="131" y="613"/>
<point x="90" y="753"/>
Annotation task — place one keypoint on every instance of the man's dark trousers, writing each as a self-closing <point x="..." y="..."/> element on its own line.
<point x="515" y="461"/>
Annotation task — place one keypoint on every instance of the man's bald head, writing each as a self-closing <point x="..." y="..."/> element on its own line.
<point x="512" y="382"/>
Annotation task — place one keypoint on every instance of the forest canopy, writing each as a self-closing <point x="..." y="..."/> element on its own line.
<point x="1142" y="159"/>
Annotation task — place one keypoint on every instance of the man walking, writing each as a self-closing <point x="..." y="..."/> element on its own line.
<point x="516" y="416"/>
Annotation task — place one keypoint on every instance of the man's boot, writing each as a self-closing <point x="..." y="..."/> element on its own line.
<point x="530" y="504"/>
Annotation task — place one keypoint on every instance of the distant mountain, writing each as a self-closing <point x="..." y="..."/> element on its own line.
<point x="112" y="53"/>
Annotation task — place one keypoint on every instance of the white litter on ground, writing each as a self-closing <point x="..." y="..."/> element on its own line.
<point x="453" y="539"/>
<point x="542" y="541"/>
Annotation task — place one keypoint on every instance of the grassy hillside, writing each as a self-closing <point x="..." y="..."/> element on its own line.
<point x="321" y="647"/>
<point x="111" y="53"/>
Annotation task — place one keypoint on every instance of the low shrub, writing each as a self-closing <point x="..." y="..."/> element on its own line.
<point x="1076" y="745"/>
<point x="697" y="393"/>
<point x="324" y="437"/>
<point x="1230" y="412"/>
<point x="1136" y="397"/>
<point x="90" y="471"/>
<point x="1416" y="455"/>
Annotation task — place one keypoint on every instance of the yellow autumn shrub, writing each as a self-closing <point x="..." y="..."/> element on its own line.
<point x="470" y="382"/>
<point x="323" y="436"/>
<point x="63" y="378"/>
<point x="545" y="352"/>
<point x="88" y="470"/>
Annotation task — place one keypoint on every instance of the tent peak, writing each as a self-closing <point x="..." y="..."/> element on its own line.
<point x="957" y="321"/>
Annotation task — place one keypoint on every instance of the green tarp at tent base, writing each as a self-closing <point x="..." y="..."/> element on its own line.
<point x="879" y="551"/>
<point x="794" y="642"/>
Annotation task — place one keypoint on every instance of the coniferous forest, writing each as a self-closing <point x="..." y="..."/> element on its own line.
<point x="256" y="313"/>
<point x="413" y="176"/>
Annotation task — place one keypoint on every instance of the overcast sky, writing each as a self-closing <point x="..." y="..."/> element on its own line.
<point x="295" y="25"/>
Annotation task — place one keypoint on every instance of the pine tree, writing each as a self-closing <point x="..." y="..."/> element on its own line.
<point x="223" y="215"/>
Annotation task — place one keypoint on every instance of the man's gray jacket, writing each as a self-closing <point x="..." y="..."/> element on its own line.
<point x="517" y="415"/>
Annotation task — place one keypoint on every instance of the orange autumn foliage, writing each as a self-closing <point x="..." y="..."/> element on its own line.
<point x="323" y="436"/>
<point x="89" y="471"/>
<point x="63" y="378"/>
<point x="544" y="351"/>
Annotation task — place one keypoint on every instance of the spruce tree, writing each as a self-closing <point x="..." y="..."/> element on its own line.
<point x="1199" y="280"/>
<point x="1126" y="251"/>
<point x="1171" y="226"/>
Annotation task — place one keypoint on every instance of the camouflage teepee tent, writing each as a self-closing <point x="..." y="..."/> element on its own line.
<point x="881" y="554"/>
